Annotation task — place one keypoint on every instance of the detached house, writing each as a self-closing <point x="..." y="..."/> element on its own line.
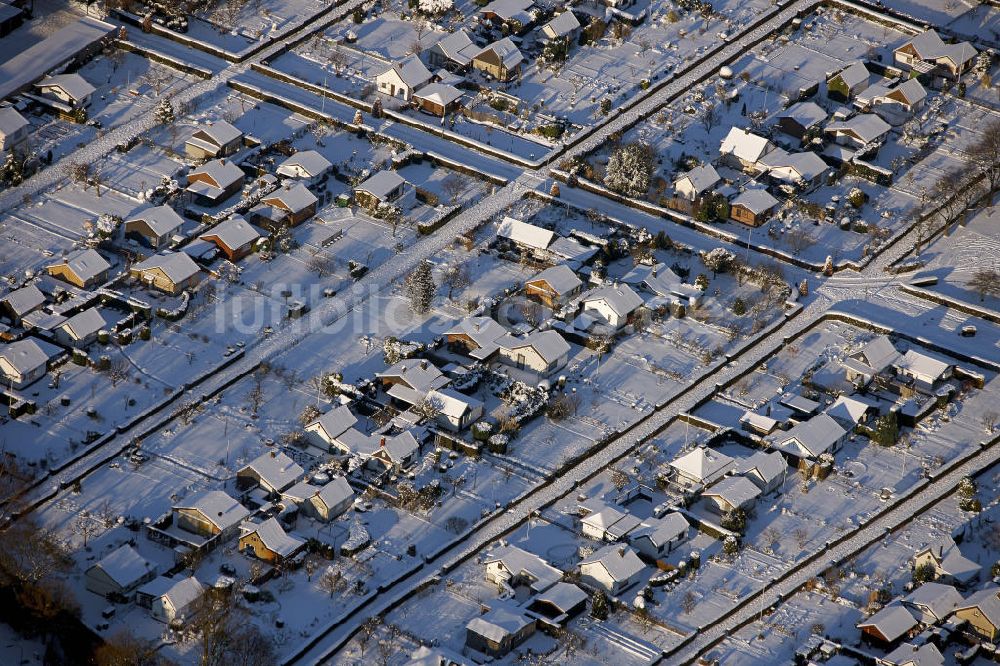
<point x="306" y="165"/>
<point x="273" y="471"/>
<point x="801" y="118"/>
<point x="949" y="565"/>
<point x="753" y="206"/>
<point x="848" y="82"/>
<point x="457" y="411"/>
<point x="656" y="538"/>
<point x="859" y="131"/>
<point x="499" y="631"/>
<point x="811" y="438"/>
<point x="478" y="337"/>
<point x="928" y="54"/>
<point x="411" y="379"/>
<point x="438" y="99"/>
<point x="608" y="524"/>
<point x="932" y="602"/>
<point x="13" y="129"/>
<point x="803" y="171"/>
<point x="893" y="104"/>
<point x="512" y="567"/>
<point x="563" y="26"/>
<point x="235" y="237"/>
<point x="871" y="360"/>
<point x="702" y="467"/>
<point x="155" y="226"/>
<point x="209" y="514"/>
<point x="287" y="206"/>
<point x="542" y="352"/>
<point x="81" y="329"/>
<point x="612" y="305"/>
<point x="120" y="573"/>
<point x="923" y="370"/>
<point x="169" y="598"/>
<point x="886" y="627"/>
<point x="982" y="611"/>
<point x="83" y="268"/>
<point x="381" y="187"/>
<point x="22" y="363"/>
<point x="614" y="568"/>
<point x="501" y="60"/>
<point x="527" y="237"/>
<point x="742" y="149"/>
<point x="170" y="272"/>
<point x="554" y="286"/>
<point x="454" y="52"/>
<point x="215" y="181"/>
<point x="267" y="541"/>
<point x="696" y="182"/>
<point x="499" y="12"/>
<point x="909" y="654"/>
<point x="218" y="139"/>
<point x="765" y="469"/>
<point x="16" y="304"/>
<point x="70" y="90"/>
<point x="322" y="503"/>
<point x="403" y="78"/>
<point x="325" y="430"/>
<point x="732" y="493"/>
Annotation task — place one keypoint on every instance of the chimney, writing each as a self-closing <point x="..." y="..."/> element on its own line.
<point x="654" y="269"/>
<point x="476" y="326"/>
<point x="381" y="443"/>
<point x="274" y="454"/>
<point x="423" y="364"/>
<point x="222" y="161"/>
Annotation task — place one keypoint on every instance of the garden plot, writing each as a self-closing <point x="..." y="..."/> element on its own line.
<point x="355" y="79"/>
<point x="67" y="210"/>
<point x="386" y="36"/>
<point x="140" y="169"/>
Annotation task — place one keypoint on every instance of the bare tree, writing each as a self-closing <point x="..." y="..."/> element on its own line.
<point x="456" y="277"/>
<point x="338" y="60"/>
<point x="986" y="282"/>
<point x="985" y="155"/>
<point x="118" y="371"/>
<point x="85" y="526"/>
<point x="453" y="187"/>
<point x="709" y="117"/>
<point x="255" y="398"/>
<point x="332" y="581"/>
<point x="990" y="420"/>
<point x="322" y="264"/>
<point x="368" y="629"/>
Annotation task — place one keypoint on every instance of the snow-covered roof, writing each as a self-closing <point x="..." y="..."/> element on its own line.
<point x="701" y="178"/>
<point x="702" y="463"/>
<point x="798" y="402"/>
<point x="922" y="365"/>
<point x="929" y="46"/>
<point x="911" y="90"/>
<point x="293" y="197"/>
<point x="11" y="121"/>
<point x="177" y="266"/>
<point x="417" y="373"/>
<point x="811" y="437"/>
<point x="610" y="520"/>
<point x="759" y="421"/>
<point x="987" y="601"/>
<point x="938" y="598"/>
<point x="24" y="300"/>
<point x="86" y="264"/>
<point x="335" y="492"/>
<point x="438" y="93"/>
<point x="734" y="490"/>
<point x="234" y="233"/>
<point x="84" y="324"/>
<point x="563" y="596"/>
<point x="525" y="234"/>
<point x="522" y="563"/>
<point x="892" y="621"/>
<point x="179" y="593"/>
<point x="854" y="74"/>
<point x="547" y="344"/>
<point x="458" y="46"/>
<point x="866" y="127"/>
<point x="505" y="50"/>
<point x="563" y="24"/>
<point x="806" y="165"/>
<point x="452" y="403"/>
<point x="619" y="561"/>
<point x="381" y="184"/>
<point x="560" y="278"/>
<point x="125" y="566"/>
<point x="849" y="410"/>
<point x="397" y="448"/>
<point x="806" y="114"/>
<point x="275" y="469"/>
<point x="757" y="200"/>
<point x="74" y="85"/>
<point x="219" y="508"/>
<point x="745" y="145"/>
<point x="483" y="331"/>
<point x="507" y="9"/>
<point x="499" y="623"/>
<point x="411" y="71"/>
<point x="662" y="530"/>
<point x="24" y="355"/>
<point x="767" y="465"/>
<point x="909" y="654"/>
<point x="273" y="537"/>
<point x="879" y="353"/>
<point x="309" y="161"/>
<point x="220" y="132"/>
<point x="161" y="220"/>
<point x="223" y="172"/>
<point x="335" y="422"/>
<point x="950" y="560"/>
<point x="621" y="298"/>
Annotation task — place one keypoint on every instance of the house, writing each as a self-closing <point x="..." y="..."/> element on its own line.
<point x="403" y="78"/>
<point x="800" y="119"/>
<point x="801" y="406"/>
<point x="858" y="131"/>
<point x="554" y="286"/>
<point x="658" y="279"/>
<point x="696" y="182"/>
<point x="765" y="469"/>
<point x="273" y="471"/>
<point x="499" y="631"/>
<point x="171" y="272"/>
<point x="701" y="467"/>
<point x="286" y="206"/>
<point x="753" y="206"/>
<point x="169" y="599"/>
<point x="214" y="182"/>
<point x="83" y="268"/>
<point x="928" y="54"/>
<point x="209" y="513"/>
<point x="851" y="411"/>
<point x="501" y="59"/>
<point x="657" y="537"/>
<point x="306" y="165"/>
<point x="267" y="541"/>
<point x="742" y="149"/>
<point x="323" y="431"/>
<point x="322" y="502"/>
<point x="810" y="439"/>
<point x="411" y="379"/>
<point x="453" y="52"/>
<point x="760" y="424"/>
<point x="119" y="573"/>
<point x="527" y="237"/>
<point x="69" y="89"/>
<point x="438" y="99"/>
<point x="509" y="566"/>
<point x="376" y="450"/>
<point x="154" y="227"/>
<point x="499" y="12"/>
<point x="895" y="103"/>
<point x="949" y="565"/>
<point x="542" y="352"/>
<point x="234" y="237"/>
<point x="732" y="493"/>
<point x="982" y="611"/>
<point x="13" y="129"/>
<point x="888" y="625"/>
<point x="848" y="82"/>
<point x="612" y="305"/>
<point x="457" y="411"/>
<point x="81" y="329"/>
<point x="922" y="369"/>
<point x="909" y="654"/>
<point x="477" y="337"/>
<point x="562" y="26"/>
<point x="871" y="360"/>
<point x="614" y="568"/>
<point x="804" y="170"/>
<point x="20" y="302"/>
<point x="558" y="604"/>
<point x="608" y="524"/>
<point x="381" y="187"/>
<point x="22" y="363"/>
<point x="933" y="602"/>
<point x="218" y="139"/>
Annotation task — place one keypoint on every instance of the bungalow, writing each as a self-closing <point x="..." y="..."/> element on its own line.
<point x="928" y="54"/>
<point x="658" y="279"/>
<point x="696" y="182"/>
<point x="322" y="503"/>
<point x="377" y="451"/>
<point x="732" y="493"/>
<point x="527" y="237"/>
<point x="851" y="411"/>
<point x="608" y="524"/>
<point x="210" y="513"/>
<point x="306" y="165"/>
<point x="411" y="379"/>
<point x="154" y="226"/>
<point x="757" y="423"/>
<point x="701" y="467"/>
<point x="81" y="329"/>
<point x="801" y="118"/>
<point x="801" y="406"/>
<point x="20" y="302"/>
<point x="235" y="237"/>
<point x="13" y="129"/>
<point x="614" y="568"/>
<point x="501" y="59"/>
<point x="22" y="363"/>
<point x="612" y="305"/>
<point x="848" y="82"/>
<point x="803" y="170"/>
<point x="765" y="469"/>
<point x="922" y="369"/>
<point x="83" y="268"/>
<point x="752" y="207"/>
<point x="509" y="566"/>
<point x="982" y="611"/>
<point x="438" y="99"/>
<point x="909" y="654"/>
<point x="268" y="542"/>
<point x="887" y="626"/>
<point x="403" y="78"/>
<point x="932" y="602"/>
<point x="859" y="131"/>
<point x="119" y="573"/>
<point x="325" y="430"/>
<point x="810" y="439"/>
<point x="563" y="26"/>
<point x="169" y="599"/>
<point x="171" y="272"/>
<point x="656" y="538"/>
<point x="476" y="336"/>
<point x="871" y="360"/>
<point x="381" y="187"/>
<point x="70" y="89"/>
<point x="742" y="149"/>
<point x="273" y="471"/>
<point x="287" y="206"/>
<point x="498" y="632"/>
<point x="214" y="181"/>
<point x="542" y="352"/>
<point x="218" y="139"/>
<point x="499" y="12"/>
<point x="558" y="604"/>
<point x="457" y="411"/>
<point x="453" y="52"/>
<point x="895" y="104"/>
<point x="554" y="286"/>
<point x="949" y="565"/>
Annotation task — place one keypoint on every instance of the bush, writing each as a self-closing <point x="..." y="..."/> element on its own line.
<point x="481" y="431"/>
<point x="739" y="307"/>
<point x="599" y="606"/>
<point x="857" y="197"/>
<point x="551" y="131"/>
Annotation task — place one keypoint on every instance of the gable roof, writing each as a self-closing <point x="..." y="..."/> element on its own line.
<point x="702" y="463"/>
<point x="560" y="278"/>
<point x="734" y="490"/>
<point x="86" y="264"/>
<point x="769" y="465"/>
<point x="456" y="47"/>
<point x="177" y="266"/>
<point x="335" y="422"/>
<point x="452" y="403"/>
<point x="508" y="9"/>
<point x="563" y="596"/>
<point x="505" y="50"/>
<point x="381" y="183"/>
<point x="499" y="623"/>
<point x="848" y="409"/>
<point x="234" y="233"/>
<point x="520" y="562"/>
<point x="273" y="537"/>
<point x="920" y="363"/>
<point x="548" y="344"/>
<point x="891" y="622"/>
<point x="84" y="323"/>
<point x="417" y="373"/>
<point x="879" y="353"/>
<point x="987" y="602"/>
<point x="125" y="566"/>
<point x="811" y="437"/>
<point x="702" y="177"/>
<point x="220" y="132"/>
<point x="619" y="561"/>
<point x="293" y="197"/>
<point x="218" y="508"/>
<point x="930" y="46"/>
<point x="161" y="220"/>
<point x="309" y="161"/>
<point x="438" y="93"/>
<point x="807" y="164"/>
<point x="621" y="298"/>
<point x="223" y="172"/>
<point x="483" y="331"/>
<point x="563" y="24"/>
<point x="662" y="530"/>
<point x="525" y="234"/>
<point x="867" y="127"/>
<point x="73" y="85"/>
<point x="950" y="560"/>
<point x="24" y="355"/>
<point x="757" y="200"/>
<point x="24" y="300"/>
<point x="745" y="145"/>
<point x="336" y="491"/>
<point x="178" y="593"/>
<point x="853" y="75"/>
<point x="909" y="654"/>
<point x="806" y="114"/>
<point x="939" y="599"/>
<point x="410" y="71"/>
<point x="11" y="121"/>
<point x="275" y="469"/>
